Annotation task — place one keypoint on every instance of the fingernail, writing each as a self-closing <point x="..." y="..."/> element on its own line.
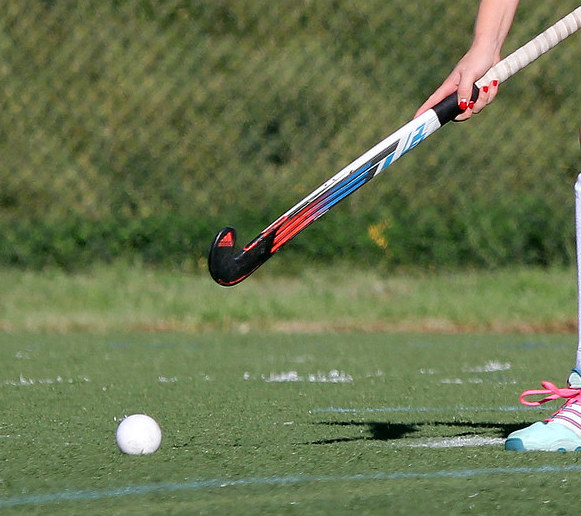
<point x="470" y="105"/>
<point x="495" y="83"/>
<point x="463" y="104"/>
<point x="485" y="89"/>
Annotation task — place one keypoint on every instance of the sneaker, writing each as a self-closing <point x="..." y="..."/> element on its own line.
<point x="561" y="431"/>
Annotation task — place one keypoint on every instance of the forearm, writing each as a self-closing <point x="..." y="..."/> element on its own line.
<point x="493" y="24"/>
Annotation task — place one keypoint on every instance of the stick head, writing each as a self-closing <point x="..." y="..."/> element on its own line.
<point x="229" y="268"/>
<point x="221" y="260"/>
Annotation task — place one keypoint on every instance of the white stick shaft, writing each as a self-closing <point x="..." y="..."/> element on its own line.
<point x="533" y="49"/>
<point x="420" y="128"/>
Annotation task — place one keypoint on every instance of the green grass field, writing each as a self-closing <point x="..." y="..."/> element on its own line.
<point x="257" y="421"/>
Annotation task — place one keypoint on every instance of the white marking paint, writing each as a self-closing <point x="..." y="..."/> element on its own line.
<point x="454" y="381"/>
<point x="491" y="366"/>
<point x="427" y="371"/>
<point x="333" y="376"/>
<point x="459" y="381"/>
<point x="163" y="379"/>
<point x="22" y="381"/>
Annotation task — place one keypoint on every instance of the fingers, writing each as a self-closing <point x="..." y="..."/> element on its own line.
<point x="465" y="102"/>
<point x="486" y="95"/>
<point x="465" y="89"/>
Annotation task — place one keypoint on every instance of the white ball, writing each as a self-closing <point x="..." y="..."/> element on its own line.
<point x="138" y="434"/>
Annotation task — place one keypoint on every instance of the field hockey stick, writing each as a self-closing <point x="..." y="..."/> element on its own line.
<point x="229" y="268"/>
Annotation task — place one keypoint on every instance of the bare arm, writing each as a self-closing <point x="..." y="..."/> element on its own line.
<point x="492" y="25"/>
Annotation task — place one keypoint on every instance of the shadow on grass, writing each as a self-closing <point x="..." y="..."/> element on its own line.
<point x="381" y="431"/>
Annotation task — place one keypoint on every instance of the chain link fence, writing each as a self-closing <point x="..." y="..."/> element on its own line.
<point x="136" y="129"/>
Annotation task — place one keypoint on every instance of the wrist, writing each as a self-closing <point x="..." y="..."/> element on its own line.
<point x="487" y="49"/>
<point x="486" y="45"/>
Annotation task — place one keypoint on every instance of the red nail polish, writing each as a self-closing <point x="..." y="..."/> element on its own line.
<point x="495" y="83"/>
<point x="470" y="105"/>
<point x="463" y="105"/>
<point x="485" y="89"/>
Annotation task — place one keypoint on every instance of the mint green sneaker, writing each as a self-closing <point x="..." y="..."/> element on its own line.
<point x="560" y="432"/>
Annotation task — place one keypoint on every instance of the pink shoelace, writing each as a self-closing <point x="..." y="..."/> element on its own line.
<point x="555" y="393"/>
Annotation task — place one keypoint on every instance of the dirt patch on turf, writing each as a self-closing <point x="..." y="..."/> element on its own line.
<point x="426" y="326"/>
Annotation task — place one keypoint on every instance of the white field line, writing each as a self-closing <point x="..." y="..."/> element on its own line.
<point x="451" y="442"/>
<point x="388" y="410"/>
<point x="85" y="495"/>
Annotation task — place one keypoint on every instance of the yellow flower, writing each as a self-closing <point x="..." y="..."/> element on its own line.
<point x="375" y="232"/>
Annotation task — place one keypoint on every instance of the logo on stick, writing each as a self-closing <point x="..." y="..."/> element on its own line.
<point x="227" y="241"/>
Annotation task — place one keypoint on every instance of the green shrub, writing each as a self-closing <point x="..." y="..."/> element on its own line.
<point x="137" y="129"/>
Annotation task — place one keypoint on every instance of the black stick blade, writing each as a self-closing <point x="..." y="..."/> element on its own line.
<point x="229" y="268"/>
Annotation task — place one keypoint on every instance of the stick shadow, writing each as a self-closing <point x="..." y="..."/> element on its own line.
<point x="382" y="431"/>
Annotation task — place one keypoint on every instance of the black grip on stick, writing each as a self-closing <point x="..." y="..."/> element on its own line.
<point x="448" y="108"/>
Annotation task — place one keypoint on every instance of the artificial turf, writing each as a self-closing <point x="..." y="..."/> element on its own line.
<point x="273" y="423"/>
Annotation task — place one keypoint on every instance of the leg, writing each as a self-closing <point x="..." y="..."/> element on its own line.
<point x="562" y="431"/>
<point x="575" y="376"/>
